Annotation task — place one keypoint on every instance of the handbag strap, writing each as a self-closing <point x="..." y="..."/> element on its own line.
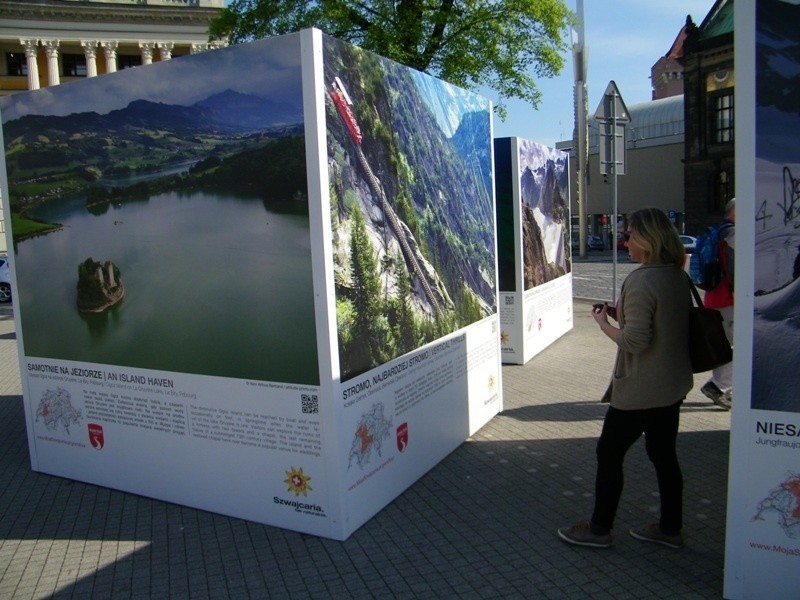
<point x="693" y="291"/>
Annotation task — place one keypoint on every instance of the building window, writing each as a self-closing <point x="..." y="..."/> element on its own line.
<point x="722" y="118"/>
<point x="73" y="65"/>
<point x="127" y="61"/>
<point x="16" y="64"/>
<point x="722" y="192"/>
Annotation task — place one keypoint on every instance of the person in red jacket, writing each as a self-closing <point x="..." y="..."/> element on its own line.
<point x="718" y="388"/>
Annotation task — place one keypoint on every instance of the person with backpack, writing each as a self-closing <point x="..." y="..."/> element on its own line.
<point x="718" y="389"/>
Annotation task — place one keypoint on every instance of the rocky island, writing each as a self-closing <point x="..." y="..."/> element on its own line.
<point x="99" y="285"/>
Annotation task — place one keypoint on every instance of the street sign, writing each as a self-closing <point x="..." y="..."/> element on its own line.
<point x="612" y="105"/>
<point x="612" y="117"/>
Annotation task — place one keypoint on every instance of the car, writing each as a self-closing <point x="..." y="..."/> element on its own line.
<point x="595" y="242"/>
<point x="689" y="243"/>
<point x="5" y="280"/>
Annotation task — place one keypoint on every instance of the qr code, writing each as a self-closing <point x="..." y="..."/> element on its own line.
<point x="509" y="300"/>
<point x="310" y="403"/>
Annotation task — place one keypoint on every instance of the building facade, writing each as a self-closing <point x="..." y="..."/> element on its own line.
<point x="666" y="76"/>
<point x="709" y="81"/>
<point x="653" y="168"/>
<point x="654" y="151"/>
<point x="679" y="147"/>
<point x="47" y="42"/>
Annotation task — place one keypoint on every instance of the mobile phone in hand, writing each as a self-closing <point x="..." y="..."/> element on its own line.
<point x="610" y="310"/>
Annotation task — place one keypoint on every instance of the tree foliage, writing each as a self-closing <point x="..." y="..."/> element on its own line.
<point x="370" y="329"/>
<point x="503" y="44"/>
<point x="404" y="325"/>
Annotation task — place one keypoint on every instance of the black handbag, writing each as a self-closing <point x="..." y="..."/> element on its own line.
<point x="709" y="347"/>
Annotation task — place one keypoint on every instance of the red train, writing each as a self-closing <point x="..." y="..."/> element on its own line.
<point x="343" y="103"/>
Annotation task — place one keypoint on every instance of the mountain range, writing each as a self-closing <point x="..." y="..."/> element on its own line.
<point x="227" y="112"/>
<point x="144" y="135"/>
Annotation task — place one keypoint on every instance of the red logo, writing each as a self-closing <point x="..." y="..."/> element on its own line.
<point x="402" y="437"/>
<point x="96" y="438"/>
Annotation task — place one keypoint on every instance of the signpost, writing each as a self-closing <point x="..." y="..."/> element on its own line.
<point x="612" y="117"/>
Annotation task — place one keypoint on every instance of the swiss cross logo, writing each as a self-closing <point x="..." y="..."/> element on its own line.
<point x="96" y="438"/>
<point x="402" y="437"/>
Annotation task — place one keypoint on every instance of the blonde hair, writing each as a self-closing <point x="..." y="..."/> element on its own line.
<point x="656" y="235"/>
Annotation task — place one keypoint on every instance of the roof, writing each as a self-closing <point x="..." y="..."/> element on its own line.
<point x="718" y="21"/>
<point x="676" y="50"/>
<point x="657" y="121"/>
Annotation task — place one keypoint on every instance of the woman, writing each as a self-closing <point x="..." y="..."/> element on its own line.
<point x="652" y="375"/>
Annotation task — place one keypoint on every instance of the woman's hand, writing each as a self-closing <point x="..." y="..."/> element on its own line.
<point x="610" y="311"/>
<point x="601" y="312"/>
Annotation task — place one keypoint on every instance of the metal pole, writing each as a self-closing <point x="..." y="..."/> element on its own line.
<point x="581" y="127"/>
<point x="583" y="196"/>
<point x="614" y="185"/>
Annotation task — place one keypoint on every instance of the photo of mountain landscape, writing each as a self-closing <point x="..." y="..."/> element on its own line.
<point x="409" y="160"/>
<point x="776" y="298"/>
<point x="189" y="177"/>
<point x="544" y="192"/>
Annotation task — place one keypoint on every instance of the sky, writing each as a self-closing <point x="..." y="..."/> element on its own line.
<point x="276" y="62"/>
<point x="625" y="38"/>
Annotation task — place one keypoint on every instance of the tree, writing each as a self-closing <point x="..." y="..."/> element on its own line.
<point x="370" y="332"/>
<point x="470" y="43"/>
<point x="405" y="326"/>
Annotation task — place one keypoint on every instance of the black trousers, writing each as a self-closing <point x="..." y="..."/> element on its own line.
<point x="621" y="429"/>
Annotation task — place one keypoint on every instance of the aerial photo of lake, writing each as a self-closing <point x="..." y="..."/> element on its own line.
<point x="213" y="285"/>
<point x="194" y="172"/>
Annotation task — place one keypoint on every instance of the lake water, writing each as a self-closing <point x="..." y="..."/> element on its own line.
<point x="214" y="285"/>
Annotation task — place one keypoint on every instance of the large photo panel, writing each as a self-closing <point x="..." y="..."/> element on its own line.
<point x="410" y="167"/>
<point x="544" y="204"/>
<point x="160" y="217"/>
<point x="763" y="522"/>
<point x="544" y="219"/>
<point x="413" y="247"/>
<point x="173" y="298"/>
<point x="776" y="326"/>
<point x="165" y="308"/>
<point x="773" y="494"/>
<point x="532" y="183"/>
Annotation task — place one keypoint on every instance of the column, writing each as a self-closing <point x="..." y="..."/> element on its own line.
<point x="31" y="54"/>
<point x="110" y="49"/>
<point x="147" y="52"/>
<point x="51" y="49"/>
<point x="165" y="50"/>
<point x="202" y="47"/>
<point x="90" y="52"/>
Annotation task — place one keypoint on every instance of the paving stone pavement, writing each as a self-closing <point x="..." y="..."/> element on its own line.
<point x="481" y="524"/>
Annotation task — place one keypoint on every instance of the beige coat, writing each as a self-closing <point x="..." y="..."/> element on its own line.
<point x="652" y="368"/>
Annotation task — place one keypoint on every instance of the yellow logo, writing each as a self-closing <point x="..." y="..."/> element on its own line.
<point x="503" y="337"/>
<point x="297" y="481"/>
